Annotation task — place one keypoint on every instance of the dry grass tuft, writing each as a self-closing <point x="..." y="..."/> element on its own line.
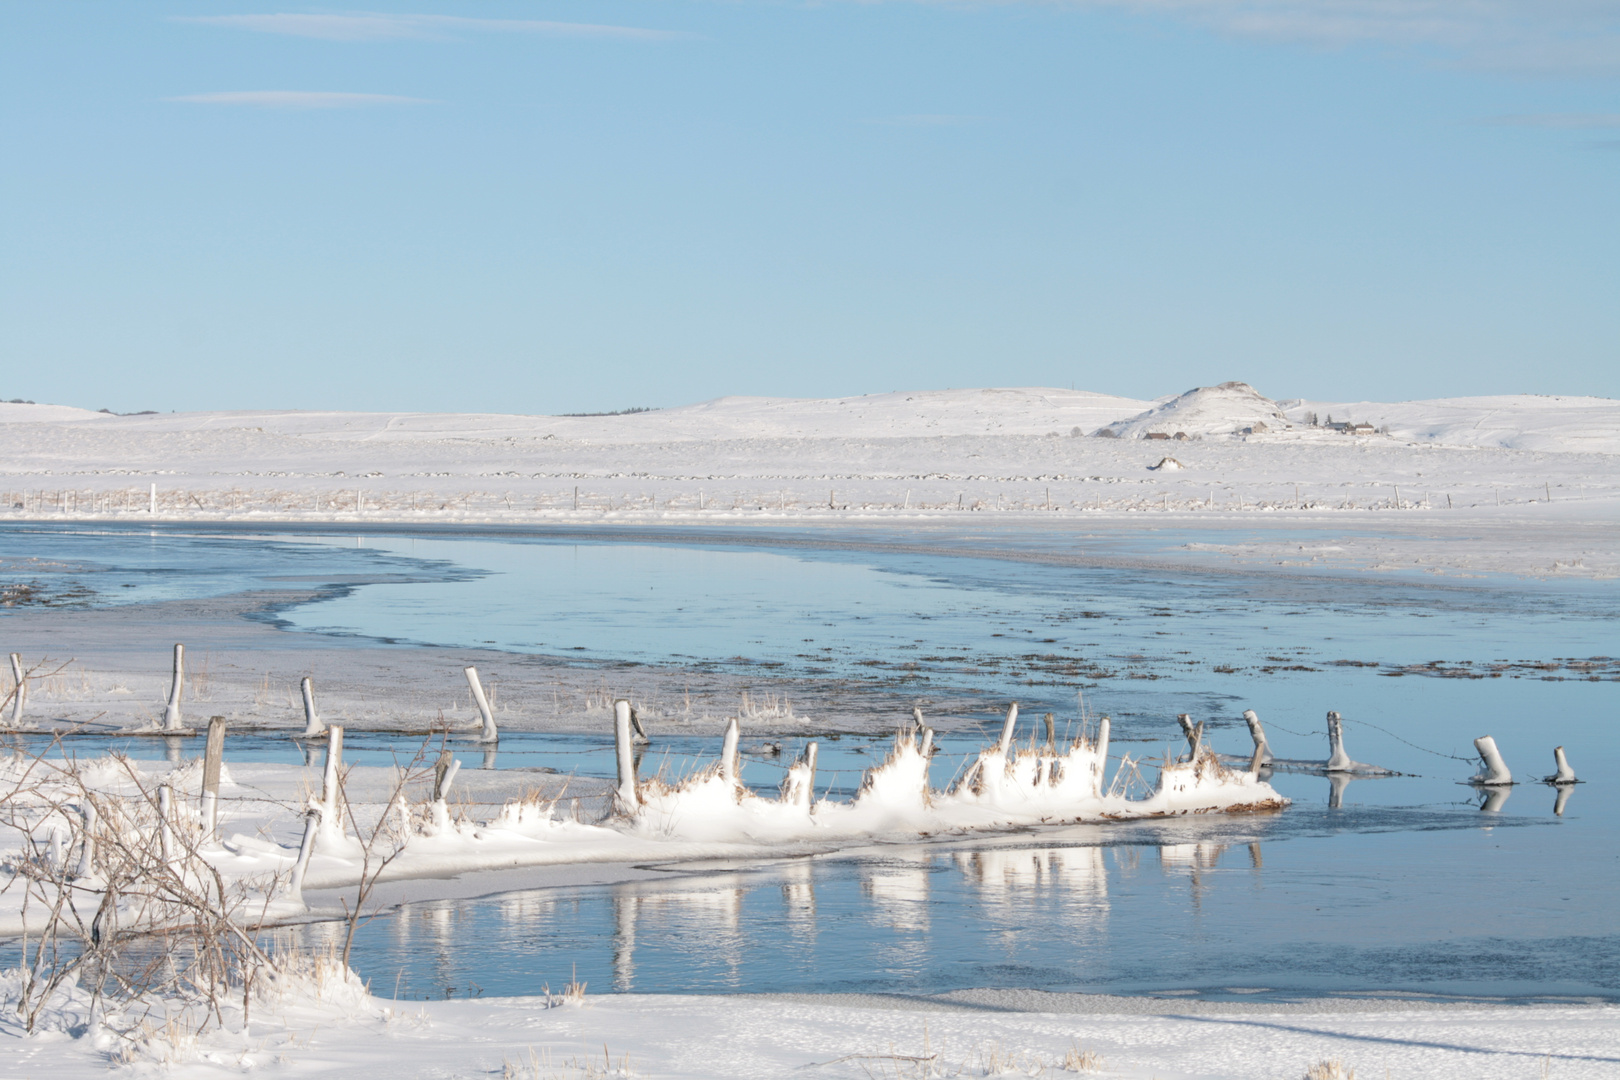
<point x="533" y="1066"/>
<point x="1080" y="1060"/>
<point x="1334" y="1069"/>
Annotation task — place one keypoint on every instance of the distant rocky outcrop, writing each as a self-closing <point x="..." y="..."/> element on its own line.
<point x="1232" y="408"/>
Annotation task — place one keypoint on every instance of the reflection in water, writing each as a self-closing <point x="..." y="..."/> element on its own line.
<point x="799" y="900"/>
<point x="700" y="923"/>
<point x="624" y="940"/>
<point x="1563" y="798"/>
<point x="489" y="758"/>
<point x="172" y="745"/>
<point x="1203" y="855"/>
<point x="1337" y="782"/>
<point x="1196" y="859"/>
<point x="1493" y="798"/>
<point x="1007" y="876"/>
<point x="898" y="895"/>
<point x="1070" y="883"/>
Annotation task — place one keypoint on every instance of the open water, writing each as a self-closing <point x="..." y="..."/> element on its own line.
<point x="1414" y="883"/>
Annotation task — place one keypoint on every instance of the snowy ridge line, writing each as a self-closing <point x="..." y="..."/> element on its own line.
<point x="1513" y="421"/>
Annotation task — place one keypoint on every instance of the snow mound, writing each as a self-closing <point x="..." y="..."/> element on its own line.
<point x="1168" y="464"/>
<point x="1228" y="409"/>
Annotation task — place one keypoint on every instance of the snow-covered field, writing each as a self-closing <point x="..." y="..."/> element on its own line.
<point x="1521" y="484"/>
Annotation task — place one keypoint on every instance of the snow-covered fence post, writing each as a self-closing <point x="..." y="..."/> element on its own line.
<point x="1338" y="760"/>
<point x="19" y="691"/>
<point x="306" y="848"/>
<point x="927" y="746"/>
<point x="444" y="774"/>
<point x="635" y="725"/>
<point x="1104" y="727"/>
<point x="488" y="734"/>
<point x="87" y="853"/>
<point x="1496" y="770"/>
<point x="728" y="751"/>
<point x="1185" y="720"/>
<point x="626" y="797"/>
<point x="171" y="714"/>
<point x="331" y="779"/>
<point x="1051" y="732"/>
<point x="1565" y="774"/>
<point x="1262" y="749"/>
<point x="165" y="830"/>
<point x="801" y="779"/>
<point x="213" y="755"/>
<point x="917" y="717"/>
<point x="312" y="719"/>
<point x="1007" y="727"/>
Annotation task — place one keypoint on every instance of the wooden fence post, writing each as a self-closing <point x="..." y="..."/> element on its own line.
<point x="20" y="692"/>
<point x="213" y="756"/>
<point x="171" y="714"/>
<point x="312" y="719"/>
<point x="627" y="797"/>
<point x="489" y="733"/>
<point x="1007" y="727"/>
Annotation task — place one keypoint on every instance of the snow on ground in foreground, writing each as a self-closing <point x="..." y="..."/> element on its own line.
<point x="846" y="1036"/>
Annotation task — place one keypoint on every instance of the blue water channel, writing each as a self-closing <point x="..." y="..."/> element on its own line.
<point x="1414" y="883"/>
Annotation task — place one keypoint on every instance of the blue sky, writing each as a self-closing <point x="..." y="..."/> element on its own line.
<point x="541" y="207"/>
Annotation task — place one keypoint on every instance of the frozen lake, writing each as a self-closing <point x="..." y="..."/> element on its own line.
<point x="1399" y="884"/>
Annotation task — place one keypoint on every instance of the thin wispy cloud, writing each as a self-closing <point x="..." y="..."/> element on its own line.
<point x="297" y="99"/>
<point x="1546" y="36"/>
<point x="923" y="120"/>
<point x="1566" y="121"/>
<point x="381" y="26"/>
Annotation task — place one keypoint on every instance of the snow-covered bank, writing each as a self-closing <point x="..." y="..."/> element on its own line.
<point x="399" y="823"/>
<point x="974" y="1033"/>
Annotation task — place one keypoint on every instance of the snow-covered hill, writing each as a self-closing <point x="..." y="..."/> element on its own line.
<point x="1520" y="422"/>
<point x="925" y="412"/>
<point x="1231" y="408"/>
